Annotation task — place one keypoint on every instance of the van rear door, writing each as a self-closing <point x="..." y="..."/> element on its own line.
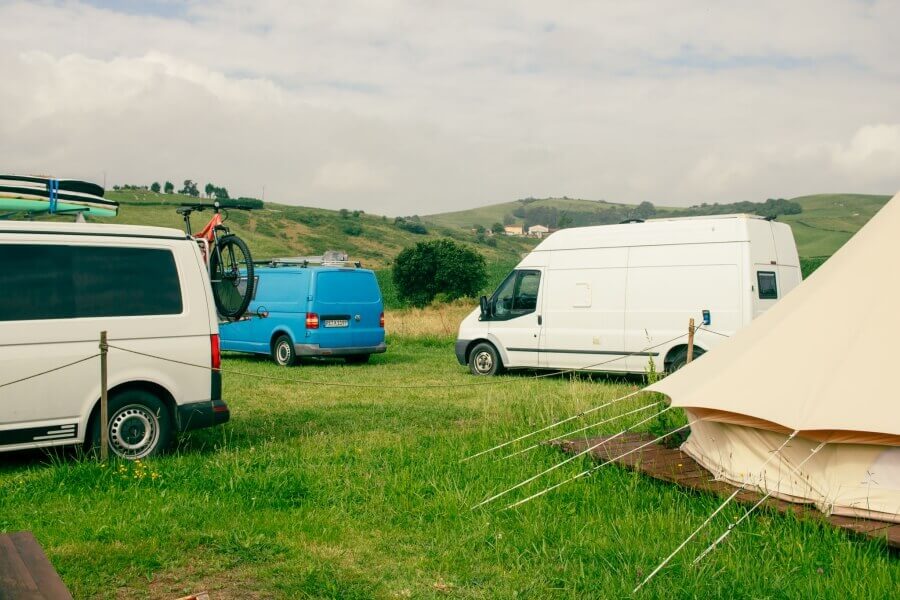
<point x="349" y="305"/>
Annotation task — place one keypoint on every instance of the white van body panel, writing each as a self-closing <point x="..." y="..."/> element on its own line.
<point x="614" y="297"/>
<point x="62" y="401"/>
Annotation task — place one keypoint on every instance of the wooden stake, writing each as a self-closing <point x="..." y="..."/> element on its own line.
<point x="104" y="400"/>
<point x="690" y="352"/>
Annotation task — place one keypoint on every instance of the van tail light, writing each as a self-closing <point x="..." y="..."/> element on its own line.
<point x="381" y="321"/>
<point x="214" y="351"/>
<point x="312" y="321"/>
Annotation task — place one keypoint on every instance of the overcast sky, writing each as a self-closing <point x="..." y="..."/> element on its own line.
<point x="403" y="107"/>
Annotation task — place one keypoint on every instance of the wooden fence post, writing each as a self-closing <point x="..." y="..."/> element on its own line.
<point x="104" y="400"/>
<point x="690" y="352"/>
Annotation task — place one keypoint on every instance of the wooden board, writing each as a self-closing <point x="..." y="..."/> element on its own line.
<point x="25" y="572"/>
<point x="673" y="465"/>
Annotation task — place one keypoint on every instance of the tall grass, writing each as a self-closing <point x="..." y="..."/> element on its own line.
<point x="328" y="492"/>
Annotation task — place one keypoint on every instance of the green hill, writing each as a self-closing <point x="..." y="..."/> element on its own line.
<point x="829" y="220"/>
<point x="282" y="230"/>
<point x="826" y="222"/>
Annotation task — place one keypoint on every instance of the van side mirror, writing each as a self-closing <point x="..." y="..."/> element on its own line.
<point x="485" y="307"/>
<point x="261" y="312"/>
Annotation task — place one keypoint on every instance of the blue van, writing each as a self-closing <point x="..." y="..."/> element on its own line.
<point x="312" y="311"/>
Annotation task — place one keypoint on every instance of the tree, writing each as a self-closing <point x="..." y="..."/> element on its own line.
<point x="154" y="187"/>
<point x="644" y="210"/>
<point x="509" y="220"/>
<point x="209" y="189"/>
<point x="189" y="189"/>
<point x="438" y="267"/>
<point x="220" y="193"/>
<point x="344" y="213"/>
<point x="169" y="187"/>
<point x="497" y="227"/>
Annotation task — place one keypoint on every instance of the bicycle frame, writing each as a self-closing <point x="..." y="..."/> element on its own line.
<point x="206" y="237"/>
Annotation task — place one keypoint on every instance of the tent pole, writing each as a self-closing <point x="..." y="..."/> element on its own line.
<point x="690" y="349"/>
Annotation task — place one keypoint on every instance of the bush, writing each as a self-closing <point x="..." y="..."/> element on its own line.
<point x="413" y="225"/>
<point x="353" y="229"/>
<point x="438" y="267"/>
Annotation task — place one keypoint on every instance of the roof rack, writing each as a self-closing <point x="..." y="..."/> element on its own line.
<point x="329" y="259"/>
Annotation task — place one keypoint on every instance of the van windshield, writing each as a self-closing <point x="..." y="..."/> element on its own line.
<point x="347" y="286"/>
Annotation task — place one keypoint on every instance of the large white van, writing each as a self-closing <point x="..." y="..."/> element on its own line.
<point x="64" y="283"/>
<point x="608" y="298"/>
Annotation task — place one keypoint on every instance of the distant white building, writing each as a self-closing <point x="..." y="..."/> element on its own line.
<point x="514" y="230"/>
<point x="538" y="231"/>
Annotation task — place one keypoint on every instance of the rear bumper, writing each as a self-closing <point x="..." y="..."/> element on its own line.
<point x="197" y="415"/>
<point x="316" y="350"/>
<point x="460" y="348"/>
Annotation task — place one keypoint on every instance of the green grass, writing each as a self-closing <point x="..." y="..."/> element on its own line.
<point x="328" y="492"/>
<point x="829" y="220"/>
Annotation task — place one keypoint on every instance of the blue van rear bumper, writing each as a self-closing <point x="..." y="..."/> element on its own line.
<point x="316" y="350"/>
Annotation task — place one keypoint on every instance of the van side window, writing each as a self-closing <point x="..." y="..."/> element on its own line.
<point x="69" y="282"/>
<point x="517" y="295"/>
<point x="768" y="286"/>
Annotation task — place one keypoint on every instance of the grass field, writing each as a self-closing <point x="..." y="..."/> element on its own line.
<point x="314" y="491"/>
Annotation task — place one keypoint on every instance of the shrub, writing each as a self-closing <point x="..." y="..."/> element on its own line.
<point x="353" y="229"/>
<point x="412" y="226"/>
<point x="438" y="267"/>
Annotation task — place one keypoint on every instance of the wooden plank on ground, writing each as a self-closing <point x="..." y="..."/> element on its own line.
<point x="25" y="571"/>
<point x="673" y="465"/>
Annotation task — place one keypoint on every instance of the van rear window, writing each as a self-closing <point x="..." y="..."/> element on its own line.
<point x="347" y="286"/>
<point x="68" y="282"/>
<point x="768" y="285"/>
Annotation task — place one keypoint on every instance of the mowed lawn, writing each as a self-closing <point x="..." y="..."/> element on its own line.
<point x="339" y="492"/>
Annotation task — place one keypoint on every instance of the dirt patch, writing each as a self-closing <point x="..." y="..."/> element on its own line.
<point x="224" y="585"/>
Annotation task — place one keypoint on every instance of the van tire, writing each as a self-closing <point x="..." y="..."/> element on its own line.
<point x="485" y="360"/>
<point x="283" y="352"/>
<point x="357" y="359"/>
<point x="678" y="358"/>
<point x="140" y="425"/>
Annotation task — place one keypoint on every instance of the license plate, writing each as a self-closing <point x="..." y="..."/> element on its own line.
<point x="336" y="322"/>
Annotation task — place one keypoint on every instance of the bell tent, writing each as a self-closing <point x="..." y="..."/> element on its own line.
<point x="819" y="366"/>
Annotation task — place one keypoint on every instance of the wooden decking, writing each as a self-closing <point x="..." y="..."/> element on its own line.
<point x="25" y="572"/>
<point x="673" y="465"/>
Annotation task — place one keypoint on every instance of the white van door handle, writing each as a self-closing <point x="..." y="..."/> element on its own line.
<point x="540" y="320"/>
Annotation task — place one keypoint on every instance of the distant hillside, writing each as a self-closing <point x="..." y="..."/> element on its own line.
<point x="829" y="220"/>
<point x="282" y="230"/>
<point x="825" y="223"/>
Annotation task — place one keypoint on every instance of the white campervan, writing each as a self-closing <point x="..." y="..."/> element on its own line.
<point x="612" y="297"/>
<point x="64" y="283"/>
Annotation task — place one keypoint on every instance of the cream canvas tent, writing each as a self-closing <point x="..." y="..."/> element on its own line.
<point x="824" y="363"/>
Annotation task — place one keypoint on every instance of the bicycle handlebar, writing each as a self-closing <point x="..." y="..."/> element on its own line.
<point x="215" y="206"/>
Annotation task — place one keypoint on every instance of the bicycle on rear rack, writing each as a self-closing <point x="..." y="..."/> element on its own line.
<point x="227" y="258"/>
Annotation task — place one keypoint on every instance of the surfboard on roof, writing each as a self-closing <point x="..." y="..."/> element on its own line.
<point x="36" y="194"/>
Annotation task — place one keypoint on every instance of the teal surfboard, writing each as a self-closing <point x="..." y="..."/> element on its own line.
<point x="20" y="195"/>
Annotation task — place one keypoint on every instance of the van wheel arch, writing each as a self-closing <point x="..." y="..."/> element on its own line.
<point x="677" y="355"/>
<point x="145" y="386"/>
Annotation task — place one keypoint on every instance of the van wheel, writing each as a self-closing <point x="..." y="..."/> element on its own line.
<point x="357" y="359"/>
<point x="485" y="360"/>
<point x="139" y="425"/>
<point x="283" y="352"/>
<point x="678" y="358"/>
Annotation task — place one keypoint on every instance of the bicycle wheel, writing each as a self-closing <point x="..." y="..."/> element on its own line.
<point x="231" y="275"/>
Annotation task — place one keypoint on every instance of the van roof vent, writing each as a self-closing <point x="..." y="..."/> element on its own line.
<point x="329" y="259"/>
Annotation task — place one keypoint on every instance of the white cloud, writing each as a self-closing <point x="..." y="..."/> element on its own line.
<point x="874" y="149"/>
<point x="404" y="106"/>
